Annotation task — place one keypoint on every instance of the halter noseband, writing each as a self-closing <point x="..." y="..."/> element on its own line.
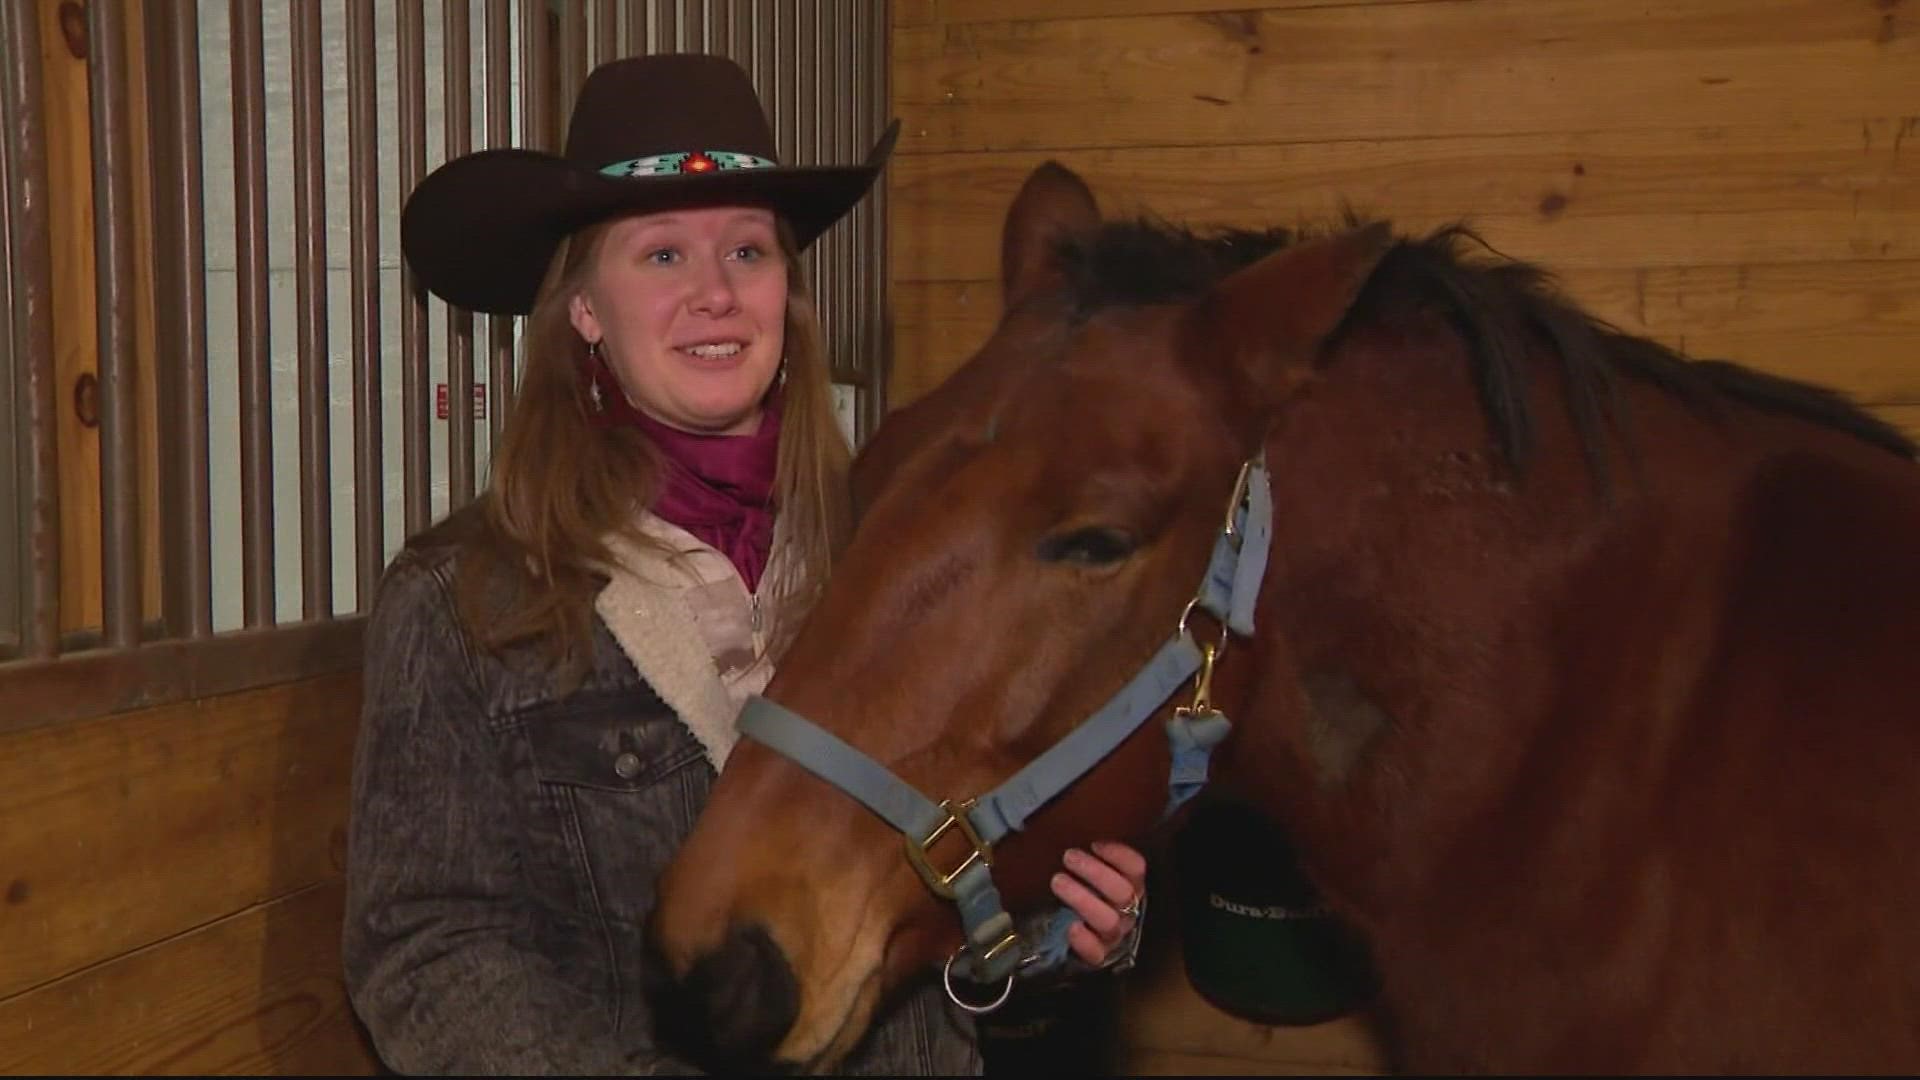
<point x="993" y="950"/>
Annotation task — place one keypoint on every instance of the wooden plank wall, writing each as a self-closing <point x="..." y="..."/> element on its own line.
<point x="171" y="888"/>
<point x="1739" y="178"/>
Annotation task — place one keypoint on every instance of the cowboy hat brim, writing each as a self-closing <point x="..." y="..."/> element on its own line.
<point x="480" y="230"/>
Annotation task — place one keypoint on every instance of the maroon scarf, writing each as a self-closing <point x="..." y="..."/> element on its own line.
<point x="720" y="487"/>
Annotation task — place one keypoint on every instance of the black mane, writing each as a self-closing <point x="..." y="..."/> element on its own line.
<point x="1500" y="306"/>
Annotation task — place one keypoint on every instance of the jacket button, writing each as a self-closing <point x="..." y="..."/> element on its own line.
<point x="627" y="765"/>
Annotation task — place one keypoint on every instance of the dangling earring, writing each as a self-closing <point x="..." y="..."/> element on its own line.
<point x="593" y="378"/>
<point x="782" y="377"/>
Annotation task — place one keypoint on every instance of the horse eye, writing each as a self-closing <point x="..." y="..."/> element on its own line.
<point x="1092" y="546"/>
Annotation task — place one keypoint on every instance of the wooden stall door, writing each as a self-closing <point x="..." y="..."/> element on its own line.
<point x="170" y="876"/>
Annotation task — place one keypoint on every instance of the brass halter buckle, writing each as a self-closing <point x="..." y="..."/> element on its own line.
<point x="1202" y="685"/>
<point x="942" y="884"/>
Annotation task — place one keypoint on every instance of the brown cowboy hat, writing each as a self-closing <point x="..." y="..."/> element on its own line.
<point x="647" y="133"/>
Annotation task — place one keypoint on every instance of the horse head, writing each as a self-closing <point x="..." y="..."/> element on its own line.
<point x="1031" y="535"/>
<point x="1578" y="672"/>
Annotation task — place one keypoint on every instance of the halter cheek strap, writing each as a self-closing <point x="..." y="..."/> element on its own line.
<point x="994" y="949"/>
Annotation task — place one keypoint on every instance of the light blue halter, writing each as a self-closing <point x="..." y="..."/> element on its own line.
<point x="994" y="949"/>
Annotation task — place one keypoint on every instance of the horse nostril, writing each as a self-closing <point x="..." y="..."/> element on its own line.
<point x="733" y="1007"/>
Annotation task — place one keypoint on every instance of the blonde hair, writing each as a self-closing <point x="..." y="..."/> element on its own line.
<point x="561" y="485"/>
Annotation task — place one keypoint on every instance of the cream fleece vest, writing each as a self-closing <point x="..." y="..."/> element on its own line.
<point x="684" y="617"/>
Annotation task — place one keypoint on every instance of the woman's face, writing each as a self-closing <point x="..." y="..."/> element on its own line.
<point x="689" y="308"/>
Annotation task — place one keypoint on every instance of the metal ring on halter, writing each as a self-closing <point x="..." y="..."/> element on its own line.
<point x="1180" y="630"/>
<point x="946" y="979"/>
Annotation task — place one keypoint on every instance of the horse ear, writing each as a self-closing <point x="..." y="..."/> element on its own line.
<point x="1052" y="205"/>
<point x="1276" y="313"/>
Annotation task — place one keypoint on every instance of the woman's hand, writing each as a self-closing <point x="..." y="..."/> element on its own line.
<point x="1105" y="888"/>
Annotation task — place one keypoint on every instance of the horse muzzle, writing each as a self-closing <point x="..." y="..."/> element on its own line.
<point x="731" y="1008"/>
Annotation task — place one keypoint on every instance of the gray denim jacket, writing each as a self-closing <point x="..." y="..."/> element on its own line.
<point x="503" y="849"/>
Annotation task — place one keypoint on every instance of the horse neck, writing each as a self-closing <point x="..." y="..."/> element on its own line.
<point x="1431" y="666"/>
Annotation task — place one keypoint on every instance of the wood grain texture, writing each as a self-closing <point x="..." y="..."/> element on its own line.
<point x="938" y="325"/>
<point x="1400" y="71"/>
<point x="256" y="993"/>
<point x="75" y="334"/>
<point x="1904" y="417"/>
<point x="1852" y="325"/>
<point x="1836" y="190"/>
<point x="124" y="831"/>
<point x="929" y="12"/>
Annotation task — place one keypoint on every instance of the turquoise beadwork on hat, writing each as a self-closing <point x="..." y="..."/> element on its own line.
<point x="687" y="161"/>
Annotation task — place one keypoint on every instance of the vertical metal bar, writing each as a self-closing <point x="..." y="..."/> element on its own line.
<point x="666" y="29"/>
<point x="310" y="290"/>
<point x="860" y="64"/>
<point x="606" y="26"/>
<point x="30" y="260"/>
<point x="880" y="344"/>
<point x="820" y="133"/>
<point x="573" y="53"/>
<point x="840" y="72"/>
<point x="717" y="28"/>
<point x="536" y="101"/>
<point x="113" y="242"/>
<point x="854" y="252"/>
<point x="363" y="166"/>
<point x="250" y="261"/>
<point x="499" y="134"/>
<point x="824" y="145"/>
<point x="13" y="578"/>
<point x="456" y="52"/>
<point x="636" y="41"/>
<point x="414" y="446"/>
<point x="845" y="108"/>
<point x="804" y="11"/>
<point x="785" y="82"/>
<point x="804" y="115"/>
<point x="180" y="262"/>
<point x="765" y="63"/>
<point x="740" y="20"/>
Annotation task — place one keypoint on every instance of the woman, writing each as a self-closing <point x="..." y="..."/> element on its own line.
<point x="552" y="674"/>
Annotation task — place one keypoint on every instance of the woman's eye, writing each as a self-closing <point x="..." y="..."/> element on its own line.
<point x="663" y="257"/>
<point x="1092" y="546"/>
<point x="749" y="253"/>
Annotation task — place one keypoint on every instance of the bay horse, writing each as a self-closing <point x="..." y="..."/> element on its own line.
<point x="1583" y="677"/>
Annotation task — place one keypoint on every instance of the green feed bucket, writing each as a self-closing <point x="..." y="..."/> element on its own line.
<point x="1257" y="942"/>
